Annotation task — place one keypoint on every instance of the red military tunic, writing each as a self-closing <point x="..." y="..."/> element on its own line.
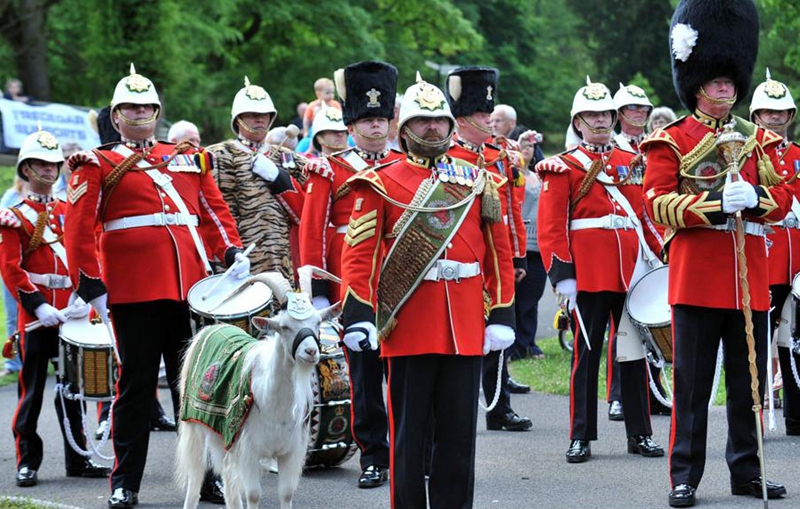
<point x="600" y="259"/>
<point x="326" y="211"/>
<point x="784" y="251"/>
<point x="150" y="262"/>
<point x="439" y="317"/>
<point x="497" y="160"/>
<point x="17" y="266"/>
<point x="703" y="261"/>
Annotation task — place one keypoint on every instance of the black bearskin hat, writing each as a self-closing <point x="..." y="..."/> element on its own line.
<point x="710" y="39"/>
<point x="368" y="89"/>
<point x="471" y="89"/>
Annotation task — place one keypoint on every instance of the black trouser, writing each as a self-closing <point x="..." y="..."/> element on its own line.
<point x="145" y="331"/>
<point x="37" y="348"/>
<point x="443" y="388"/>
<point x="596" y="309"/>
<point x="791" y="393"/>
<point x="490" y="364"/>
<point x="526" y="299"/>
<point x="696" y="336"/>
<point x="370" y="424"/>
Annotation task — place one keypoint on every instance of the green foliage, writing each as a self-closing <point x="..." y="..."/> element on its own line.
<point x="6" y="503"/>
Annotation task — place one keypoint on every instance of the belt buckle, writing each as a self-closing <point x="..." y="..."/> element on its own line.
<point x="170" y="219"/>
<point x="619" y="222"/>
<point x="55" y="281"/>
<point x="790" y="222"/>
<point x="449" y="272"/>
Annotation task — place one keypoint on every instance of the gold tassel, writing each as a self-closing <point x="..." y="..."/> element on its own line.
<point x="490" y="202"/>
<point x="766" y="172"/>
<point x="519" y="180"/>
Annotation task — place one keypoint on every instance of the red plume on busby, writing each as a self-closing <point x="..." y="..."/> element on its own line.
<point x="711" y="39"/>
<point x="471" y="89"/>
<point x="368" y="89"/>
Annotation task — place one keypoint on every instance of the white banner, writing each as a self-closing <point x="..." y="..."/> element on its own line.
<point x="68" y="124"/>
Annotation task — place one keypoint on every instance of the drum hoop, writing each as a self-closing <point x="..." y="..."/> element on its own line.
<point x="631" y="291"/>
<point x="224" y="316"/>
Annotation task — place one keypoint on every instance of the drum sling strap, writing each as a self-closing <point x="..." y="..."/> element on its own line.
<point x="164" y="182"/>
<point x="647" y="253"/>
<point x="48" y="236"/>
<point x="418" y="246"/>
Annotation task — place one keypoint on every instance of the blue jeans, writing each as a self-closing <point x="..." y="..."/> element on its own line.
<point x="10" y="305"/>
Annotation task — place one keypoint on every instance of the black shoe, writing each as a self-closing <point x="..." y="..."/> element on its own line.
<point x="26" y="477"/>
<point x="163" y="423"/>
<point x="89" y="469"/>
<point x="372" y="477"/>
<point x="615" y="411"/>
<point x="213" y="491"/>
<point x="792" y="426"/>
<point x="509" y="422"/>
<point x="517" y="388"/>
<point x="536" y="352"/>
<point x="656" y="408"/>
<point x="101" y="430"/>
<point x="579" y="451"/>
<point x="123" y="499"/>
<point x="753" y="487"/>
<point x="682" y="495"/>
<point x="644" y="445"/>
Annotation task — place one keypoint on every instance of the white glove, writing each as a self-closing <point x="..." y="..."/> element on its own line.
<point x="241" y="266"/>
<point x="49" y="316"/>
<point x="78" y="308"/>
<point x="265" y="168"/>
<point x="100" y="305"/>
<point x="738" y="196"/>
<point x="497" y="337"/>
<point x="320" y="302"/>
<point x="567" y="289"/>
<point x="8" y="218"/>
<point x="361" y="336"/>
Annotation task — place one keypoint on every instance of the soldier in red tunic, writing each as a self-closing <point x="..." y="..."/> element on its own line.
<point x="368" y="91"/>
<point x="773" y="108"/>
<point x="714" y="47"/>
<point x="591" y="236"/>
<point x="424" y="240"/>
<point x="34" y="268"/>
<point x="161" y="213"/>
<point x="470" y="91"/>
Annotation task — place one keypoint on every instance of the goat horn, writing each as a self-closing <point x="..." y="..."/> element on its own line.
<point x="276" y="282"/>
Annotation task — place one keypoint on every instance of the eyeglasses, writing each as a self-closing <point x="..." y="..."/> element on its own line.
<point x="635" y="107"/>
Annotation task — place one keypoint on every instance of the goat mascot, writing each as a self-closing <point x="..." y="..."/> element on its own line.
<point x="244" y="399"/>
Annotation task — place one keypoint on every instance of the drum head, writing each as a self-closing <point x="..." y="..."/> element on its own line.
<point x="796" y="286"/>
<point x="252" y="298"/>
<point x="82" y="332"/>
<point x="647" y="301"/>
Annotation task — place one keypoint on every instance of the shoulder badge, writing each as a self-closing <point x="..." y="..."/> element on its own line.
<point x="554" y="164"/>
<point x="76" y="189"/>
<point x="369" y="177"/>
<point x="659" y="136"/>
<point x="321" y="167"/>
<point x="769" y="138"/>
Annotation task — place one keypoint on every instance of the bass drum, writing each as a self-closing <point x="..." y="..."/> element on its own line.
<point x="331" y="442"/>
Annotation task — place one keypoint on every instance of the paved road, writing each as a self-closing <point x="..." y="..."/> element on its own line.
<point x="514" y="470"/>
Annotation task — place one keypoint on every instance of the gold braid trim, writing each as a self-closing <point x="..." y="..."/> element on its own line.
<point x="588" y="180"/>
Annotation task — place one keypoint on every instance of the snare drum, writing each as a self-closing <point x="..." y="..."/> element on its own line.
<point x="331" y="442"/>
<point x="650" y="311"/>
<point x="210" y="307"/>
<point x="87" y="367"/>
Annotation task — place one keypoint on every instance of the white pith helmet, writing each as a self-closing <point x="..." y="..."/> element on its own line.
<point x="423" y="100"/>
<point x="326" y="119"/>
<point x="251" y="99"/>
<point x="592" y="97"/>
<point x="772" y="95"/>
<point x="135" y="89"/>
<point x="40" y="145"/>
<point x="631" y="94"/>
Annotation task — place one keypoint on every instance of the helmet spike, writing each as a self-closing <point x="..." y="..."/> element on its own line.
<point x="133" y="69"/>
<point x="419" y="77"/>
<point x="588" y="80"/>
<point x="621" y="86"/>
<point x="246" y="81"/>
<point x="39" y="125"/>
<point x="769" y="77"/>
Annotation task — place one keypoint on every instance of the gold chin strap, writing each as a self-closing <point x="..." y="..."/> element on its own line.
<point x="596" y="130"/>
<point x="38" y="178"/>
<point x="633" y="122"/>
<point x="773" y="127"/>
<point x="335" y="148"/>
<point x="364" y="135"/>
<point x="140" y="122"/>
<point x="426" y="143"/>
<point x="470" y="121"/>
<point x="251" y="130"/>
<point x="710" y="99"/>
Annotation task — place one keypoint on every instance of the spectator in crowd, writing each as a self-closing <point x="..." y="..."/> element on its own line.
<point x="184" y="130"/>
<point x="298" y="120"/>
<point x="323" y="88"/>
<point x="60" y="187"/>
<point x="660" y="117"/>
<point x="392" y="140"/>
<point x="13" y="91"/>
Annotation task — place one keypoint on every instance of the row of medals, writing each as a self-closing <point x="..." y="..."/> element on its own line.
<point x="455" y="174"/>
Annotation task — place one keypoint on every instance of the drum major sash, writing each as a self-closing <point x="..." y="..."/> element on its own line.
<point x="417" y="247"/>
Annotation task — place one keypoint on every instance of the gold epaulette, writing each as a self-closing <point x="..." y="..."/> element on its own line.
<point x="659" y="136"/>
<point x="370" y="177"/>
<point x="770" y="138"/>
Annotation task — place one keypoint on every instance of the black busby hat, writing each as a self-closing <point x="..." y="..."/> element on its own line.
<point x="368" y="89"/>
<point x="471" y="89"/>
<point x="710" y="39"/>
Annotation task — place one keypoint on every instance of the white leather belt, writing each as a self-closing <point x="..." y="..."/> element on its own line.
<point x="609" y="222"/>
<point x="452" y="271"/>
<point x="341" y="229"/>
<point x="157" y="219"/>
<point x="789" y="222"/>
<point x="54" y="281"/>
<point x="750" y="228"/>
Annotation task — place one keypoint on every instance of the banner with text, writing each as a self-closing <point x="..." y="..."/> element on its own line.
<point x="67" y="123"/>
